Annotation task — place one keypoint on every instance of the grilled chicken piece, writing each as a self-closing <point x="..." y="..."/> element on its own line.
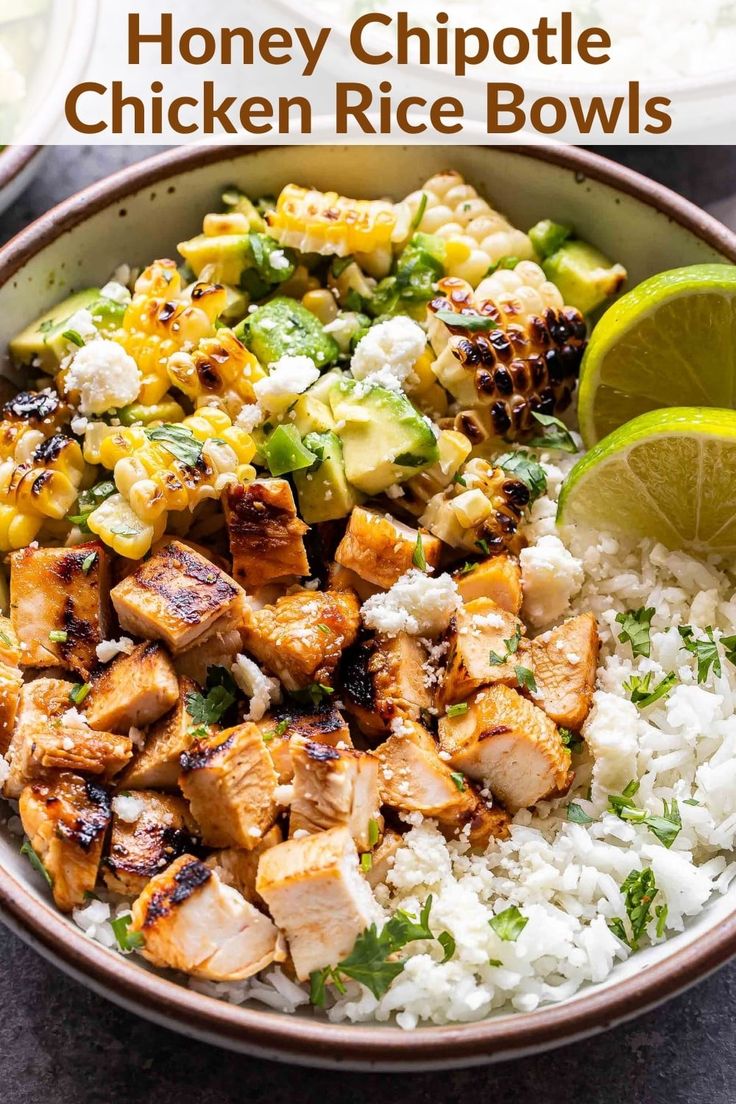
<point x="510" y="745"/>
<point x="333" y="789"/>
<point x="10" y="649"/>
<point x="239" y="869"/>
<point x="266" y="535"/>
<point x="193" y="922"/>
<point x="301" y="638"/>
<point x="342" y="578"/>
<point x="415" y="779"/>
<point x="498" y="578"/>
<point x="157" y="766"/>
<point x="51" y="735"/>
<point x="383" y="858"/>
<point x="565" y="661"/>
<point x="134" y="691"/>
<point x="178" y="596"/>
<point x="59" y="605"/>
<point x="66" y="820"/>
<point x="385" y="678"/>
<point x="480" y="633"/>
<point x="230" y="783"/>
<point x="381" y="549"/>
<point x="218" y="650"/>
<point x="317" y="896"/>
<point x="145" y="839"/>
<point x="321" y="726"/>
<point x="11" y="684"/>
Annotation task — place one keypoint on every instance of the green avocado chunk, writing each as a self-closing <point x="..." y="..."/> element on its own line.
<point x="548" y="236"/>
<point x="43" y="342"/>
<point x="324" y="492"/>
<point x="284" y="451"/>
<point x="584" y="275"/>
<point x="385" y="440"/>
<point x="283" y="327"/>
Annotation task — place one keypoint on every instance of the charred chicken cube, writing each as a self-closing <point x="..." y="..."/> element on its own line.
<point x="50" y="734"/>
<point x="334" y="789"/>
<point x="134" y="691"/>
<point x="383" y="858"/>
<point x="415" y="779"/>
<point x="486" y="646"/>
<point x="381" y="549"/>
<point x="498" y="578"/>
<point x="301" y="638"/>
<point x="218" y="650"/>
<point x="230" y="783"/>
<point x="317" y="897"/>
<point x="385" y="678"/>
<point x="342" y="578"/>
<point x="158" y="766"/>
<point x="239" y="869"/>
<point x="564" y="662"/>
<point x="149" y="831"/>
<point x="266" y="535"/>
<point x="66" y="820"/>
<point x="11" y="684"/>
<point x="323" y="725"/>
<point x="511" y="746"/>
<point x="191" y="921"/>
<point x="59" y="605"/>
<point x="178" y="596"/>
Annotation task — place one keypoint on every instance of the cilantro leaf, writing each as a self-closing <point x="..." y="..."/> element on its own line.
<point x="208" y="710"/>
<point x="643" y="694"/>
<point x="88" y="502"/>
<point x="36" y="862"/>
<point x="74" y="337"/>
<point x="315" y="694"/>
<point x="473" y="323"/>
<point x="705" y="651"/>
<point x="527" y="470"/>
<point x="484" y="546"/>
<point x="639" y="890"/>
<point x="512" y="647"/>
<point x="525" y="679"/>
<point x="509" y="924"/>
<point x="179" y="441"/>
<point x="571" y="740"/>
<point x="448" y="945"/>
<point x="577" y="815"/>
<point x="666" y="827"/>
<point x="88" y="563"/>
<point x="459" y="780"/>
<point x="635" y="630"/>
<point x="556" y="436"/>
<point x="126" y="940"/>
<point x="419" y="559"/>
<point x="661" y="913"/>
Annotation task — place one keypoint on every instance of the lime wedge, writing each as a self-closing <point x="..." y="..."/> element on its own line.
<point x="669" y="475"/>
<point x="671" y="341"/>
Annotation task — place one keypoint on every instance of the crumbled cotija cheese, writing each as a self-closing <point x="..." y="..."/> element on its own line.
<point x="262" y="690"/>
<point x="416" y="604"/>
<point x="108" y="649"/>
<point x="550" y="577"/>
<point x="389" y="351"/>
<point x="105" y="376"/>
<point x="291" y="375"/>
<point x="129" y="808"/>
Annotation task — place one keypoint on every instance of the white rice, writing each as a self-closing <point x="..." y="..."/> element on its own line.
<point x="564" y="876"/>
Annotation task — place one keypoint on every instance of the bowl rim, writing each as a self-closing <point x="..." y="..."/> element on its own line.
<point x="14" y="160"/>
<point x="310" y="1041"/>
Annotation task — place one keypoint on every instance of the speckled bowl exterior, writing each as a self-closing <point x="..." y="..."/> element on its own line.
<point x="141" y="213"/>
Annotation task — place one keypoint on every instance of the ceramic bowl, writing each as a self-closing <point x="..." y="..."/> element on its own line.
<point x="142" y="213"/>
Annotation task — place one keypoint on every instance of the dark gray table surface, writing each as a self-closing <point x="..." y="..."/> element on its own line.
<point x="60" y="1043"/>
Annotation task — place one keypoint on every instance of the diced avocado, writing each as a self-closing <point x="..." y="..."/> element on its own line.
<point x="385" y="440"/>
<point x="168" y="412"/>
<point x="311" y="415"/>
<point x="325" y="385"/>
<point x="548" y="236"/>
<point x="43" y="342"/>
<point x="236" y="202"/>
<point x="284" y="451"/>
<point x="324" y="492"/>
<point x="283" y="327"/>
<point x="419" y="267"/>
<point x="228" y="254"/>
<point x="237" y="305"/>
<point x="584" y="275"/>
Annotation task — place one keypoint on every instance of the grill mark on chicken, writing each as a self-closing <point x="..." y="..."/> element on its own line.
<point x="255" y="518"/>
<point x="497" y="730"/>
<point x="187" y="881"/>
<point x="163" y="840"/>
<point x="321" y="753"/>
<point x="188" y="605"/>
<point x="201" y="754"/>
<point x="356" y="676"/>
<point x="92" y="823"/>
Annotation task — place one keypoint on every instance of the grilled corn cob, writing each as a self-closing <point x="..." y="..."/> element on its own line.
<point x="27" y="420"/>
<point x="209" y="452"/>
<point x="477" y="237"/>
<point x="44" y="486"/>
<point x="515" y="350"/>
<point x="161" y="320"/>
<point x="483" y="513"/>
<point x="327" y="223"/>
<point x="219" y="371"/>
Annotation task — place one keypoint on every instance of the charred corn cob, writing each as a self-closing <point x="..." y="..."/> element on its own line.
<point x="27" y="420"/>
<point x="477" y="237"/>
<point x="220" y="370"/>
<point x="327" y="223"/>
<point x="44" y="486"/>
<point x="454" y="449"/>
<point x="481" y="514"/>
<point x="161" y="320"/>
<point x="170" y="468"/>
<point x="516" y="347"/>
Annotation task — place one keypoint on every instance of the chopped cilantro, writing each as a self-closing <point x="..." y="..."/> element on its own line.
<point x="526" y="679"/>
<point x="639" y="891"/>
<point x="459" y="780"/>
<point x="635" y="630"/>
<point x="556" y="434"/>
<point x="279" y="730"/>
<point x="577" y="815"/>
<point x="126" y="939"/>
<point x="419" y="559"/>
<point x="315" y="694"/>
<point x="460" y="480"/>
<point x="643" y="694"/>
<point x="666" y="827"/>
<point x="484" y="547"/>
<point x="179" y="441"/>
<point x="373" y="832"/>
<point x="448" y="945"/>
<point x="78" y="693"/>
<point x="88" y="502"/>
<point x="473" y="323"/>
<point x="457" y="710"/>
<point x="571" y="740"/>
<point x="509" y="924"/>
<point x="705" y="651"/>
<point x="512" y="647"/>
<point x="467" y="568"/>
<point x="89" y="562"/>
<point x="36" y="862"/>
<point x="527" y="470"/>
<point x="208" y="710"/>
<point x="74" y="337"/>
